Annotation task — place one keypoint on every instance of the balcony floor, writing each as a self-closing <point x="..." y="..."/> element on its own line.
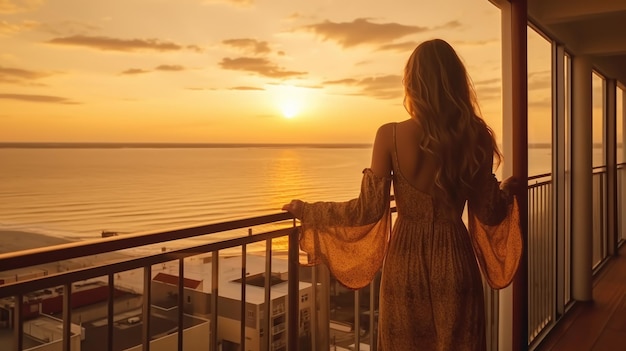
<point x="599" y="325"/>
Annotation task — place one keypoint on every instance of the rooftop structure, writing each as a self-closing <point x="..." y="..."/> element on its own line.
<point x="43" y="333"/>
<point x="198" y="291"/>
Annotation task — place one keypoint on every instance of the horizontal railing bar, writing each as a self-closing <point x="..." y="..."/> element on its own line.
<point x="56" y="279"/>
<point x="48" y="254"/>
<point x="599" y="169"/>
<point x="596" y="169"/>
<point x="544" y="175"/>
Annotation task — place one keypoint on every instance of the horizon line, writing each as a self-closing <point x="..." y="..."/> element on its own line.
<point x="115" y="144"/>
<point x="130" y="144"/>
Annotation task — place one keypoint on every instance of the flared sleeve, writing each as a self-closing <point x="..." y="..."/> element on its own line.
<point x="350" y="237"/>
<point x="494" y="228"/>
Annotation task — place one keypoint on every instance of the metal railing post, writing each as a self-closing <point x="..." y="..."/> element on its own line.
<point x="18" y="323"/>
<point x="145" y="311"/>
<point x="293" y="294"/>
<point x="111" y="312"/>
<point x="244" y="273"/>
<point x="214" y="299"/>
<point x="357" y="320"/>
<point x="67" y="316"/>
<point x="267" y="335"/>
<point x="181" y="303"/>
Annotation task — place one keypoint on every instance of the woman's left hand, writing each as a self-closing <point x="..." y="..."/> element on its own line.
<point x="295" y="207"/>
<point x="511" y="186"/>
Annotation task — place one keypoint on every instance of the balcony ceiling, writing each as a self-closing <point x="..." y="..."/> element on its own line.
<point x="595" y="28"/>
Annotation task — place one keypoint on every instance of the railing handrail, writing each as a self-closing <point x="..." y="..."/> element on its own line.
<point x="537" y="176"/>
<point x="55" y="279"/>
<point x="49" y="254"/>
<point x="595" y="169"/>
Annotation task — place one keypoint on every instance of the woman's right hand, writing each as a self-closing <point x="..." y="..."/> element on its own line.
<point x="295" y="207"/>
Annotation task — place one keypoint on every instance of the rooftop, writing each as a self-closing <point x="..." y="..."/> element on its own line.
<point x="127" y="330"/>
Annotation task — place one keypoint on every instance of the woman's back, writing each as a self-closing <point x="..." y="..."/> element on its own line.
<point x="418" y="168"/>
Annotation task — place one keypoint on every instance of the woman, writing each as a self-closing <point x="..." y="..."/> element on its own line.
<point x="431" y="295"/>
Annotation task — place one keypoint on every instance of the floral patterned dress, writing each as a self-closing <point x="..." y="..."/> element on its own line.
<point x="431" y="295"/>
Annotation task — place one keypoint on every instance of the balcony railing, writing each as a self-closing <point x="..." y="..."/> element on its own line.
<point x="541" y="255"/>
<point x="542" y="244"/>
<point x="542" y="266"/>
<point x="17" y="292"/>
<point x="599" y="199"/>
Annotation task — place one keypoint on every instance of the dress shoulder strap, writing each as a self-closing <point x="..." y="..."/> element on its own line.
<point x="395" y="148"/>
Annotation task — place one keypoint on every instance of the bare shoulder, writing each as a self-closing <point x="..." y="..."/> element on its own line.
<point x="386" y="128"/>
<point x="384" y="134"/>
<point x="381" y="153"/>
<point x="409" y="130"/>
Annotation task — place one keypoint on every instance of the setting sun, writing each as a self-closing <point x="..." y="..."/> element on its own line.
<point x="290" y="100"/>
<point x="290" y="109"/>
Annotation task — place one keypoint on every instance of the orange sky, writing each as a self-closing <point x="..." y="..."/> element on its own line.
<point x="229" y="70"/>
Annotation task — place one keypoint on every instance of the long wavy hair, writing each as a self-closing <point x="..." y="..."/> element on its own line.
<point x="440" y="96"/>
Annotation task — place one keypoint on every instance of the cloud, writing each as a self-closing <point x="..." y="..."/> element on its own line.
<point x="489" y="92"/>
<point x="362" y="31"/>
<point x="199" y="89"/>
<point x="487" y="81"/>
<point x="449" y="25"/>
<point x="245" y="88"/>
<point x="16" y="6"/>
<point x="380" y="87"/>
<point x="473" y="42"/>
<point x="38" y="98"/>
<point x="346" y="81"/>
<point x="170" y="68"/>
<point x="487" y="89"/>
<point x="294" y="16"/>
<point x="539" y="80"/>
<point x="248" y="45"/>
<point x="115" y="44"/>
<point x="7" y="28"/>
<point x="164" y="68"/>
<point x="261" y="66"/>
<point x="12" y="75"/>
<point x="134" y="71"/>
<point x="195" y="48"/>
<point x="402" y="47"/>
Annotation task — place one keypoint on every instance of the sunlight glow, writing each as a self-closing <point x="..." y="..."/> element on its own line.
<point x="290" y="100"/>
<point x="290" y="109"/>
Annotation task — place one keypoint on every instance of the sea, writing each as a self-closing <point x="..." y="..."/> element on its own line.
<point x="77" y="192"/>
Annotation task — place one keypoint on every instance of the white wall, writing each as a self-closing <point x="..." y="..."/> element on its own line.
<point x="195" y="338"/>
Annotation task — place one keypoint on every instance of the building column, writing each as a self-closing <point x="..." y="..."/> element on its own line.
<point x="505" y="296"/>
<point x="622" y="195"/>
<point x="623" y="117"/>
<point x="513" y="307"/>
<point x="582" y="205"/>
<point x="519" y="102"/>
<point x="611" y="166"/>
